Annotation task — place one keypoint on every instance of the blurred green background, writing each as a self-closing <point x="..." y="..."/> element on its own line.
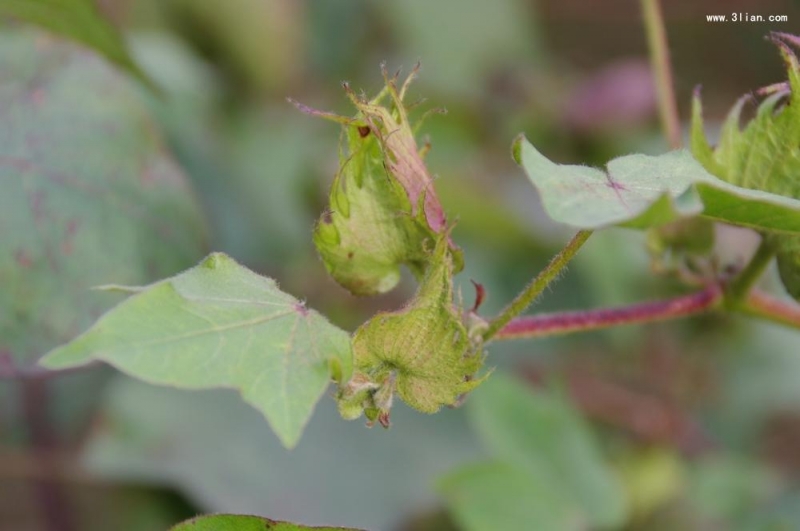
<point x="697" y="421"/>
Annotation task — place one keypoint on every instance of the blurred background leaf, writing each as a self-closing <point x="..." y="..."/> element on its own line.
<point x="80" y="20"/>
<point x="90" y="195"/>
<point x="544" y="440"/>
<point x="698" y="419"/>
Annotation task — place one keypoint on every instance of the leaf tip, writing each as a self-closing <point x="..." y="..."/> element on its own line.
<point x="119" y="288"/>
<point x="216" y="261"/>
<point x="516" y="148"/>
<point x="63" y="357"/>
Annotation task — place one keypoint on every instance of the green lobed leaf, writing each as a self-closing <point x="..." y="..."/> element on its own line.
<point x="238" y="522"/>
<point x="79" y="20"/>
<point x="765" y="155"/>
<point x="89" y="193"/>
<point x="423" y="352"/>
<point x="544" y="436"/>
<point x="498" y="495"/>
<point x="642" y="191"/>
<point x="221" y="325"/>
<point x="383" y="209"/>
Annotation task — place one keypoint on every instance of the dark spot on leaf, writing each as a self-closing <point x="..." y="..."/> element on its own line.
<point x="72" y="227"/>
<point x="350" y="255"/>
<point x="67" y="244"/>
<point x="363" y="131"/>
<point x="147" y="176"/>
<point x="23" y="258"/>
<point x="37" y="97"/>
<point x="615" y="185"/>
<point x="301" y="309"/>
<point x="327" y="217"/>
<point x="36" y="205"/>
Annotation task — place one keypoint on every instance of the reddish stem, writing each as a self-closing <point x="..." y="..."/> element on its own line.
<point x="549" y="324"/>
<point x="54" y="505"/>
<point x="760" y="304"/>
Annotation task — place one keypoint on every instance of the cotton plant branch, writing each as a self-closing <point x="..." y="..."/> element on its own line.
<point x="768" y="307"/>
<point x="709" y="299"/>
<point x="560" y="323"/>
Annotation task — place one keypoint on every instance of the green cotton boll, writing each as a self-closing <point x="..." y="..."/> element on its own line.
<point x="764" y="155"/>
<point x="422" y="353"/>
<point x="369" y="231"/>
<point x="383" y="210"/>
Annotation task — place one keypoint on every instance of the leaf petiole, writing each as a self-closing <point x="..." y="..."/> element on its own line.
<point x="537" y="285"/>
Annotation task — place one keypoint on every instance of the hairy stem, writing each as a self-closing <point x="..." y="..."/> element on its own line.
<point x="537" y="285"/>
<point x="550" y="324"/>
<point x="736" y="291"/>
<point x="662" y="71"/>
<point x="765" y="306"/>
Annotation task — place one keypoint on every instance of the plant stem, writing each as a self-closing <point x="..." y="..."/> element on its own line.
<point x="662" y="71"/>
<point x="736" y="291"/>
<point x="53" y="501"/>
<point x="537" y="285"/>
<point x="583" y="321"/>
<point x="760" y="304"/>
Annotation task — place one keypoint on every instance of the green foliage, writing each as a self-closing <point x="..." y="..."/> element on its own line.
<point x="543" y="436"/>
<point x="423" y="352"/>
<point x="383" y="208"/>
<point x="89" y="194"/>
<point x="89" y="160"/>
<point x="79" y="20"/>
<point x="674" y="244"/>
<point x="234" y="522"/>
<point x="223" y="456"/>
<point x="642" y="191"/>
<point x="765" y="155"/>
<point x="457" y="54"/>
<point x="221" y="325"/>
<point x="500" y="495"/>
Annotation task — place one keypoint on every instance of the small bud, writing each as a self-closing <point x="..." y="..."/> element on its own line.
<point x="383" y="210"/>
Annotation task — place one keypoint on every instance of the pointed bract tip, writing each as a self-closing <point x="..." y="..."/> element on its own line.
<point x="780" y="36"/>
<point x="516" y="148"/>
<point x="216" y="260"/>
<point x="480" y="295"/>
